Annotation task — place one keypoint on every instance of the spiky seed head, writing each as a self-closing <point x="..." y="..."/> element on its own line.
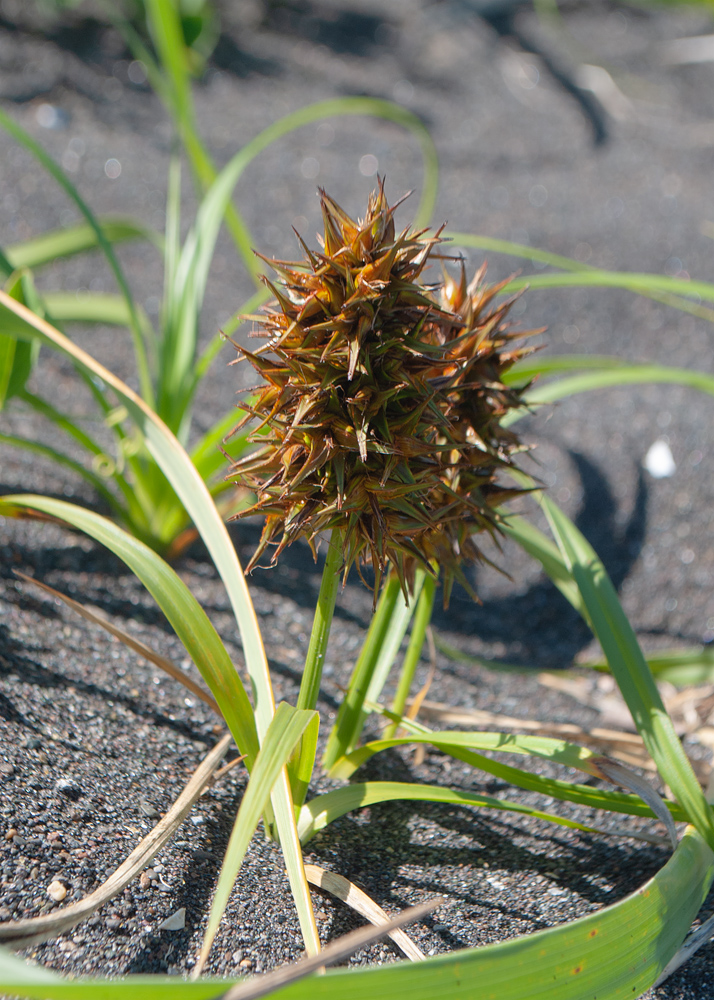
<point x="380" y="407"/>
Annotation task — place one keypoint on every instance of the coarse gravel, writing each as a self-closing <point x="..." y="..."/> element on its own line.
<point x="95" y="744"/>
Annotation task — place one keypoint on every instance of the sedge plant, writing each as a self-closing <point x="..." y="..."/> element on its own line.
<point x="383" y="411"/>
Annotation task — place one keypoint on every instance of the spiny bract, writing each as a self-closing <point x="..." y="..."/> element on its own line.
<point x="382" y="399"/>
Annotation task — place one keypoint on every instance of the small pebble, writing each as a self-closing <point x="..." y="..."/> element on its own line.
<point x="659" y="461"/>
<point x="148" y="809"/>
<point x="176" y="922"/>
<point x="113" y="923"/>
<point x="6" y="769"/>
<point x="197" y="820"/>
<point x="144" y="880"/>
<point x="11" y="833"/>
<point x="65" y="786"/>
<point x="56" y="890"/>
<point x="67" y="946"/>
<point x="246" y="963"/>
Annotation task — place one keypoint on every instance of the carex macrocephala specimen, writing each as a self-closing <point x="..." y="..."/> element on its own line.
<point x="381" y="403"/>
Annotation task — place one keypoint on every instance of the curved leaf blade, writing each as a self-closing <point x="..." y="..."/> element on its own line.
<point x="630" y="669"/>
<point x="559" y="751"/>
<point x="26" y="140"/>
<point x="629" y="280"/>
<point x="284" y="733"/>
<point x="187" y="617"/>
<point x="618" y="951"/>
<point x="608" y="376"/>
<point x="74" y="240"/>
<point x="319" y="812"/>
<point x="92" y="307"/>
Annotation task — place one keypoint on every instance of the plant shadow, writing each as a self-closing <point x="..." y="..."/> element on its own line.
<point x="539" y="627"/>
<point x="486" y="862"/>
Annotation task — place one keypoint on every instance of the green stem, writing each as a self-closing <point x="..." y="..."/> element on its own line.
<point x="348" y="717"/>
<point x="324" y="612"/>
<point x="422" y="617"/>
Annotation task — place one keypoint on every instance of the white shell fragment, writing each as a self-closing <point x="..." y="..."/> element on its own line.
<point x="176" y="922"/>
<point x="659" y="461"/>
<point x="56" y="891"/>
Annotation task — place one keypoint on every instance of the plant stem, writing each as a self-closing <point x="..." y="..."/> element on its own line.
<point x="422" y="617"/>
<point x="324" y="612"/>
<point x="344" y="732"/>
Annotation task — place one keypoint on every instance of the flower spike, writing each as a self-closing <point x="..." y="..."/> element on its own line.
<point x="382" y="406"/>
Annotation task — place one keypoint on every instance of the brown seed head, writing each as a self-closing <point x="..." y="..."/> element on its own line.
<point x="382" y="399"/>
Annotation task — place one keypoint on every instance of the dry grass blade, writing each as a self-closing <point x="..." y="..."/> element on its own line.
<point x="612" y="771"/>
<point x="21" y="933"/>
<point x="415" y="705"/>
<point x="696" y="940"/>
<point x="338" y="950"/>
<point x="417" y="701"/>
<point x="628" y="747"/>
<point x="156" y="658"/>
<point x="359" y="901"/>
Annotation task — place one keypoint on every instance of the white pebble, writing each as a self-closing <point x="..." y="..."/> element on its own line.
<point x="659" y="461"/>
<point x="176" y="922"/>
<point x="56" y="891"/>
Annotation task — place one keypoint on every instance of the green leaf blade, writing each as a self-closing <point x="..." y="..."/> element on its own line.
<point x="186" y="616"/>
<point x="284" y="733"/>
<point x="74" y="240"/>
<point x="630" y="669"/>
